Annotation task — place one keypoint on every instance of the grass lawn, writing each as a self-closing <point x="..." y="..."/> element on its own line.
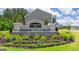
<point x="74" y="46"/>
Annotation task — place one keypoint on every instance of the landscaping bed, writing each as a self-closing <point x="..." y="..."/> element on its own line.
<point x="25" y="41"/>
<point x="33" y="45"/>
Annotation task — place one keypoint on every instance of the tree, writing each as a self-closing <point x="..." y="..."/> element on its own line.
<point x="10" y="16"/>
<point x="56" y="28"/>
<point x="7" y="13"/>
<point x="69" y="27"/>
<point x="22" y="12"/>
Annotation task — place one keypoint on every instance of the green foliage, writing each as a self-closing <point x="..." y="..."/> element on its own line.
<point x="17" y="37"/>
<point x="54" y="36"/>
<point x="69" y="27"/>
<point x="36" y="36"/>
<point x="25" y="37"/>
<point x="1" y="34"/>
<point x="67" y="35"/>
<point x="56" y="28"/>
<point x="43" y="38"/>
<point x="8" y="36"/>
<point x="8" y="44"/>
<point x="10" y="16"/>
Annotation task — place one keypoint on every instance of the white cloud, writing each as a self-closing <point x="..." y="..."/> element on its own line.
<point x="67" y="20"/>
<point x="29" y="9"/>
<point x="61" y="21"/>
<point x="77" y="21"/>
<point x="66" y="10"/>
<point x="56" y="13"/>
<point x="74" y="13"/>
<point x="69" y="11"/>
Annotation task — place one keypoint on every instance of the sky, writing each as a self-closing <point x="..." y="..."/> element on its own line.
<point x="64" y="15"/>
<point x="1" y="10"/>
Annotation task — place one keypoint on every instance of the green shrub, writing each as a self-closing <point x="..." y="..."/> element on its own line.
<point x="55" y="36"/>
<point x="16" y="45"/>
<point x="17" y="37"/>
<point x="1" y="34"/>
<point x="8" y="44"/>
<point x="30" y="45"/>
<point x="8" y="36"/>
<point x="36" y="36"/>
<point x="70" y="36"/>
<point x="67" y="35"/>
<point x="43" y="38"/>
<point x="44" y="44"/>
<point x="25" y="37"/>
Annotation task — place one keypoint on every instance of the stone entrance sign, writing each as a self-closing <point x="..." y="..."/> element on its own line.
<point x="34" y="24"/>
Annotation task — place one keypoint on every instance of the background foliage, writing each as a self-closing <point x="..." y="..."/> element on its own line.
<point x="10" y="16"/>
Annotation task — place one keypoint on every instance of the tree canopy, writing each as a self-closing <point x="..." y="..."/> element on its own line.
<point x="11" y="15"/>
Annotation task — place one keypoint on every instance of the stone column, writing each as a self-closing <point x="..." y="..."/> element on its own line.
<point x="17" y="26"/>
